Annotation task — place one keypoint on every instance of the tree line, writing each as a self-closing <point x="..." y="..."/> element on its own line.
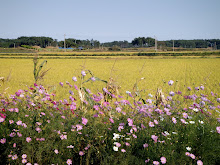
<point x="44" y="42"/>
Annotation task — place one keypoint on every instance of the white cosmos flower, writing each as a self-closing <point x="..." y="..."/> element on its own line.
<point x="167" y="133"/>
<point x="115" y="148"/>
<point x="174" y="133"/>
<point x="201" y="122"/>
<point x="196" y="109"/>
<point x="192" y="122"/>
<point x="116" y="136"/>
<point x="188" y="148"/>
<point x="70" y="146"/>
<point x="161" y="118"/>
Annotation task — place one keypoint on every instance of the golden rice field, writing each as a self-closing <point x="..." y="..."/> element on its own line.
<point x="125" y="72"/>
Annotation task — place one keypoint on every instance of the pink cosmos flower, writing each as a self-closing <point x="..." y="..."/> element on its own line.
<point x="62" y="137"/>
<point x="38" y="123"/>
<point x="75" y="86"/>
<point x="192" y="156"/>
<point x="96" y="115"/>
<point x="19" y="122"/>
<point x="3" y="141"/>
<point x="117" y="144"/>
<point x="127" y="144"/>
<point x="183" y="121"/>
<point x="118" y="109"/>
<point x="2" y="119"/>
<point x="83" y="73"/>
<point x="156" y="122"/>
<point x="74" y="79"/>
<point x="120" y="128"/>
<point x="14" y="157"/>
<point x="24" y="125"/>
<point x="218" y="129"/>
<point x="111" y="120"/>
<point x="170" y="82"/>
<point x="93" y="78"/>
<point x="199" y="162"/>
<point x="145" y="145"/>
<point x="24" y="156"/>
<point x="124" y="113"/>
<point x="56" y="151"/>
<point x="84" y="121"/>
<point x="142" y="126"/>
<point x="151" y="124"/>
<point x="38" y="129"/>
<point x="81" y="153"/>
<point x="130" y="122"/>
<point x="123" y="150"/>
<point x="168" y="113"/>
<point x="61" y="84"/>
<point x="147" y="160"/>
<point x="163" y="160"/>
<point x="96" y="107"/>
<point x="69" y="161"/>
<point x="202" y="87"/>
<point x="19" y="134"/>
<point x="42" y="113"/>
<point x="14" y="145"/>
<point x="154" y="137"/>
<point x="11" y="121"/>
<point x="16" y="110"/>
<point x="12" y="134"/>
<point x="174" y="120"/>
<point x="79" y="127"/>
<point x="187" y="154"/>
<point x="156" y="162"/>
<point x="171" y="93"/>
<point x="134" y="128"/>
<point x="28" y="139"/>
<point x="185" y="115"/>
<point x="24" y="161"/>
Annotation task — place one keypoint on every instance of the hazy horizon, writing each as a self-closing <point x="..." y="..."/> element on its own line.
<point x="108" y="21"/>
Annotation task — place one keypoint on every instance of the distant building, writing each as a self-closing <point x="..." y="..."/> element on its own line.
<point x="80" y="48"/>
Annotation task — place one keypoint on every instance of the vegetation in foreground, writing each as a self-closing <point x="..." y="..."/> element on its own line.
<point x="107" y="128"/>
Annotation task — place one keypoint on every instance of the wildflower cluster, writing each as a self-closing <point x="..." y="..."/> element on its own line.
<point x="89" y="127"/>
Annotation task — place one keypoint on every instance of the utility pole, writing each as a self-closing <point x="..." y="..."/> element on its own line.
<point x="173" y="45"/>
<point x="155" y="43"/>
<point x="64" y="42"/>
<point x="14" y="45"/>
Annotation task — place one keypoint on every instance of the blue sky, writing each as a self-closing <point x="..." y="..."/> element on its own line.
<point x="109" y="20"/>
